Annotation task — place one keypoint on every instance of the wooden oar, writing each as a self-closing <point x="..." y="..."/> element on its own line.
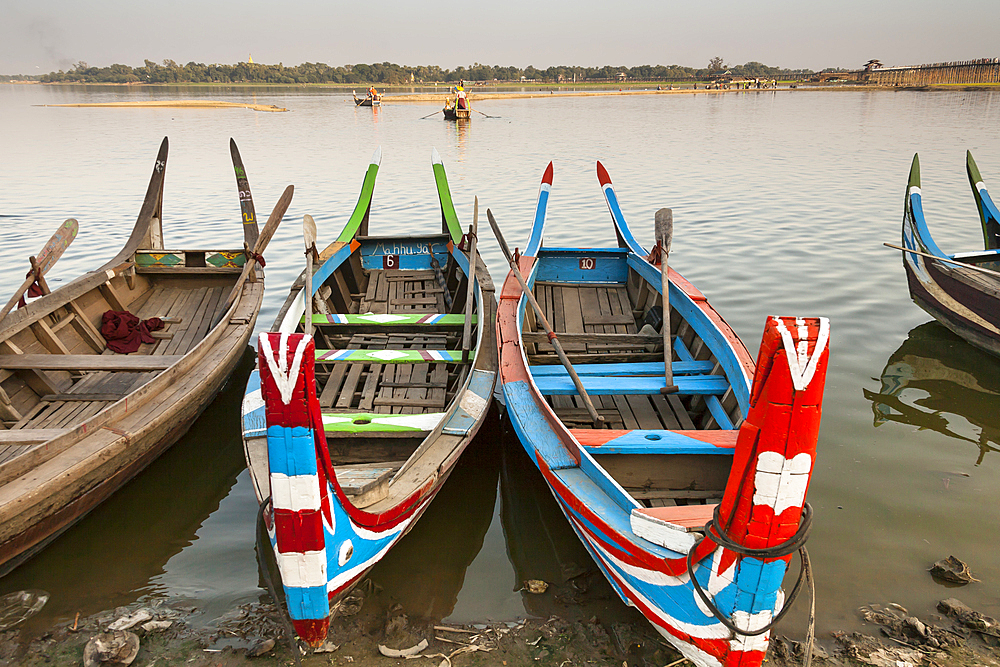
<point x="309" y="236"/>
<point x="258" y="248"/>
<point x="597" y="419"/>
<point x="431" y="114"/>
<point x="470" y="292"/>
<point x="485" y="114"/>
<point x="664" y="236"/>
<point x="44" y="261"/>
<point x="971" y="267"/>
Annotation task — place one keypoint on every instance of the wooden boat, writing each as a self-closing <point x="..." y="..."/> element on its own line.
<point x="719" y="451"/>
<point x="367" y="101"/>
<point x="396" y="391"/>
<point x="80" y="420"/>
<point x="451" y="113"/>
<point x="962" y="291"/>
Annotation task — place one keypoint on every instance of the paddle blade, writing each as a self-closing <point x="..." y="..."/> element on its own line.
<point x="475" y="214"/>
<point x="247" y="211"/>
<point x="308" y="231"/>
<point x="665" y="228"/>
<point x="53" y="250"/>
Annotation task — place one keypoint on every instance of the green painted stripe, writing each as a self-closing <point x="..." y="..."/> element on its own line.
<point x="364" y="202"/>
<point x="158" y="259"/>
<point x="390" y="356"/>
<point x="389" y="320"/>
<point x="362" y="422"/>
<point x="448" y="215"/>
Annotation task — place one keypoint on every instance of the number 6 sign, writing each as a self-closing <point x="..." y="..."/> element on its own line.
<point x="390" y="261"/>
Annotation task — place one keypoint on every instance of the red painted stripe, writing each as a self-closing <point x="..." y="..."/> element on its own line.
<point x="547" y="176"/>
<point x="298" y="532"/>
<point x="602" y="174"/>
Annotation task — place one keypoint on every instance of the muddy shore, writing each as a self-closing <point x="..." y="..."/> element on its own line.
<point x="369" y="628"/>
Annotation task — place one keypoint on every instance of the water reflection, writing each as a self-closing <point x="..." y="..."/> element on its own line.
<point x="462" y="127"/>
<point x="542" y="545"/>
<point x="937" y="381"/>
<point x="114" y="556"/>
<point x="426" y="570"/>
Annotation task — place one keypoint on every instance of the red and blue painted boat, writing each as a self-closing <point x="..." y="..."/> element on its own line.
<point x="962" y="291"/>
<point x="352" y="430"/>
<point x="730" y="453"/>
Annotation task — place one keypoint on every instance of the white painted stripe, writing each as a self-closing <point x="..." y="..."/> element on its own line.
<point x="302" y="570"/>
<point x="980" y="186"/>
<point x="801" y="366"/>
<point x="472" y="403"/>
<point x="252" y="401"/>
<point x="435" y="156"/>
<point x="780" y="483"/>
<point x="295" y="492"/>
<point x="751" y="622"/>
<point x="377" y="156"/>
<point x="284" y="377"/>
<point x="915" y="190"/>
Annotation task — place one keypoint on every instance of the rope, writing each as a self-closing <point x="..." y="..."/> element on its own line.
<point x="795" y="543"/>
<point x="289" y="630"/>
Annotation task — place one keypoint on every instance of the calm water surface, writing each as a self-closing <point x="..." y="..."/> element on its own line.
<point x="781" y="203"/>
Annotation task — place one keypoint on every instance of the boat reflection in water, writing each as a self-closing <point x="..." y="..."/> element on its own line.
<point x="937" y="381"/>
<point x="426" y="570"/>
<point x="542" y="546"/>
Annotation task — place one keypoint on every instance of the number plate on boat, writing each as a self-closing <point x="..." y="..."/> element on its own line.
<point x="587" y="263"/>
<point x="390" y="261"/>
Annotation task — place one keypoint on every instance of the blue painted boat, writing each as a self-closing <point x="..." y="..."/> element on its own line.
<point x="962" y="290"/>
<point x="691" y="503"/>
<point x="351" y="443"/>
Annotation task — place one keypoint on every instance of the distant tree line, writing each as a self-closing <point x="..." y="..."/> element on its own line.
<point x="390" y="73"/>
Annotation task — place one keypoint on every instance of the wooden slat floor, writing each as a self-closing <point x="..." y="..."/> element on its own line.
<point x="391" y="388"/>
<point x="604" y="309"/>
<point x="194" y="309"/>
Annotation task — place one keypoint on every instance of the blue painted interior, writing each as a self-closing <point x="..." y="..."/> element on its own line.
<point x="614" y="370"/>
<point x="688" y="385"/>
<point x="563" y="265"/>
<point x="658" y="442"/>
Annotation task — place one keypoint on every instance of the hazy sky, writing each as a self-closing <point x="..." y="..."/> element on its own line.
<point x="38" y="36"/>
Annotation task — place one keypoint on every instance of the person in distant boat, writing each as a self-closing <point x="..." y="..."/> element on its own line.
<point x="372" y="93"/>
<point x="461" y="102"/>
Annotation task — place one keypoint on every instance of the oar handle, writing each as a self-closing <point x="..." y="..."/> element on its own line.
<point x="597" y="419"/>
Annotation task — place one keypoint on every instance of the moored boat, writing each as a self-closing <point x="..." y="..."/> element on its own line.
<point x="353" y="429"/>
<point x="705" y="449"/>
<point x="962" y="290"/>
<point x="369" y="100"/>
<point x="80" y="418"/>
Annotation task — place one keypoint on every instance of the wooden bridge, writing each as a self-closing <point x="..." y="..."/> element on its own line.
<point x="984" y="70"/>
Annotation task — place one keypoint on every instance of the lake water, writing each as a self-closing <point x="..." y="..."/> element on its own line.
<point x="781" y="203"/>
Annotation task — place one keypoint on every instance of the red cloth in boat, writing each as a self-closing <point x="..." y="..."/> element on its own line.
<point x="125" y="332"/>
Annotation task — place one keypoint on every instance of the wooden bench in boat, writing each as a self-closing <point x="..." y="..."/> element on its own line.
<point x="688" y="385"/>
<point x="351" y="424"/>
<point x="616" y="370"/>
<point x="392" y="320"/>
<point x="675" y="527"/>
<point x="90" y="362"/>
<point x="638" y="441"/>
<point x="392" y="356"/>
<point x="30" y="436"/>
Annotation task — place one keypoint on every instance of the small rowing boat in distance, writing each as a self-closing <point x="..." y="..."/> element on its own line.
<point x="368" y="100"/>
<point x="79" y="420"/>
<point x="961" y="290"/>
<point x="451" y="113"/>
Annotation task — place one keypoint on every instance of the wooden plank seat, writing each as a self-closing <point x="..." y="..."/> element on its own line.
<point x="30" y="436"/>
<point x="688" y="385"/>
<point x="90" y="362"/>
<point x="617" y="370"/>
<point x="675" y="527"/>
<point x="617" y="340"/>
<point x="390" y="356"/>
<point x="350" y="424"/>
<point x="639" y="441"/>
<point x="390" y="319"/>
